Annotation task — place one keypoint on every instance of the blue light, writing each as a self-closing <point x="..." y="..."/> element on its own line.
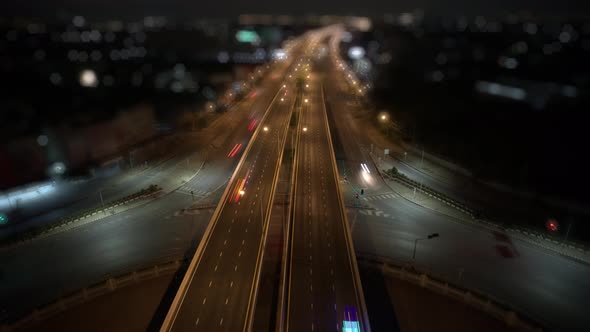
<point x="350" y="326"/>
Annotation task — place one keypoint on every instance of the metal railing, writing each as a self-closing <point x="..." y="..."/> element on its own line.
<point x="416" y="275"/>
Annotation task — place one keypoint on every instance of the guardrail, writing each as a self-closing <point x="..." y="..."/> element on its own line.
<point x="477" y="300"/>
<point x="184" y="286"/>
<point x="358" y="287"/>
<point x="46" y="229"/>
<point x="570" y="249"/>
<point x="430" y="192"/>
<point x="285" y="271"/>
<point x="93" y="291"/>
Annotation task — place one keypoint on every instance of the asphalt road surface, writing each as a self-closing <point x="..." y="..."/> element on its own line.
<point x="321" y="281"/>
<point x="221" y="288"/>
<point x="38" y="272"/>
<point x="547" y="287"/>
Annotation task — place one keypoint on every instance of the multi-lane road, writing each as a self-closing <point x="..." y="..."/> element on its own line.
<point x="218" y="293"/>
<point x="322" y="269"/>
<point x="546" y="286"/>
<point x="158" y="231"/>
<point x="549" y="288"/>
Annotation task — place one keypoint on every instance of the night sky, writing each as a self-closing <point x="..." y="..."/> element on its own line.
<point x="228" y="8"/>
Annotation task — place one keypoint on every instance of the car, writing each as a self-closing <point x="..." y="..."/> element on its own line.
<point x="350" y="321"/>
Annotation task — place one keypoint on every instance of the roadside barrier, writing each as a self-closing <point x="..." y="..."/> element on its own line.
<point x="46" y="229"/>
<point x="91" y="292"/>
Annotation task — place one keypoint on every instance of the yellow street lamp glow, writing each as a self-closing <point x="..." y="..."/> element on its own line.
<point x="306" y="100"/>
<point x="242" y="192"/>
<point x="265" y="128"/>
<point x="282" y="99"/>
<point x="304" y="128"/>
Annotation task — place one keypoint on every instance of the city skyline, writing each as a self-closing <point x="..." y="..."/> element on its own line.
<point x="183" y="9"/>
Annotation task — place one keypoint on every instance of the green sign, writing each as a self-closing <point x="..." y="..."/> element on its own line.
<point x="3" y="219"/>
<point x="247" y="36"/>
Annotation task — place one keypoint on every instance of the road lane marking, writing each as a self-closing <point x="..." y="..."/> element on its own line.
<point x="210" y="283"/>
<point x="236" y="268"/>
<point x="197" y="321"/>
<point x="221" y="321"/>
<point x="220" y="253"/>
<point x="204" y="300"/>
<point x="226" y="300"/>
<point x="215" y="267"/>
<point x="231" y="284"/>
<point x="240" y="254"/>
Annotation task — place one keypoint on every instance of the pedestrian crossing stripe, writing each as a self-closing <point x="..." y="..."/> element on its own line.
<point x="187" y="190"/>
<point x="376" y="213"/>
<point x="379" y="197"/>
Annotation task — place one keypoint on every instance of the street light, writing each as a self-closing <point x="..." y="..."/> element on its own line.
<point x="304" y="128"/>
<point x="265" y="128"/>
<point x="431" y="236"/>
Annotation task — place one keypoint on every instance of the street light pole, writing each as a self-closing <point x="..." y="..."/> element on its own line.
<point x="101" y="200"/>
<point x="431" y="236"/>
<point x="422" y="161"/>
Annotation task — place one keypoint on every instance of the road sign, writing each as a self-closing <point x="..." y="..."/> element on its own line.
<point x="3" y="219"/>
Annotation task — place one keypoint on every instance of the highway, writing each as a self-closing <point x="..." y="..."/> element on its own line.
<point x="218" y="292"/>
<point x="549" y="288"/>
<point x="322" y="270"/>
<point x="154" y="233"/>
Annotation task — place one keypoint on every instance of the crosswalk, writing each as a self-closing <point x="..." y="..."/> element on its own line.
<point x="376" y="213"/>
<point x="187" y="188"/>
<point x="379" y="197"/>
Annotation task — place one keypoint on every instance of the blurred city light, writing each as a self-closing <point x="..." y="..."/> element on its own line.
<point x="88" y="78"/>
